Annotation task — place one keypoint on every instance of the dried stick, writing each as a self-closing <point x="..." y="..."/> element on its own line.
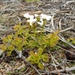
<point x="60" y="46"/>
<point x="68" y="2"/>
<point x="67" y="29"/>
<point x="63" y="39"/>
<point x="29" y="72"/>
<point x="62" y="70"/>
<point x="60" y="24"/>
<point x="52" y="22"/>
<point x="55" y="65"/>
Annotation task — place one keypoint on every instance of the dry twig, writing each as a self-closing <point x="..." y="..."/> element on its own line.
<point x="63" y="70"/>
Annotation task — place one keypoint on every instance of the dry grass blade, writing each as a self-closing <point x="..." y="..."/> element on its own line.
<point x="63" y="39"/>
<point x="62" y="70"/>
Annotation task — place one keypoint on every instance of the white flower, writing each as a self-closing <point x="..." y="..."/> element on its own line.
<point x="40" y="23"/>
<point x="48" y="18"/>
<point x="43" y="16"/>
<point x="27" y="15"/>
<point x="31" y="21"/>
<point x="31" y="17"/>
<point x="36" y="15"/>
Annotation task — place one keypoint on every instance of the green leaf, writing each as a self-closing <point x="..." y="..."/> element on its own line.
<point x="45" y="57"/>
<point x="40" y="65"/>
<point x="10" y="47"/>
<point x="52" y="39"/>
<point x="32" y="44"/>
<point x="34" y="58"/>
<point x="17" y="27"/>
<point x="31" y="52"/>
<point x="3" y="47"/>
<point x="31" y="59"/>
<point x="40" y="51"/>
<point x="7" y="39"/>
<point x="9" y="52"/>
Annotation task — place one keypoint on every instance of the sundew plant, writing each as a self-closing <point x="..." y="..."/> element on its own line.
<point x="31" y="36"/>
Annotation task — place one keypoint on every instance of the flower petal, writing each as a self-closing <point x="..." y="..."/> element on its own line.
<point x="36" y="15"/>
<point x="40" y="23"/>
<point x="31" y="21"/>
<point x="43" y="16"/>
<point x="27" y="15"/>
<point x="31" y="17"/>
